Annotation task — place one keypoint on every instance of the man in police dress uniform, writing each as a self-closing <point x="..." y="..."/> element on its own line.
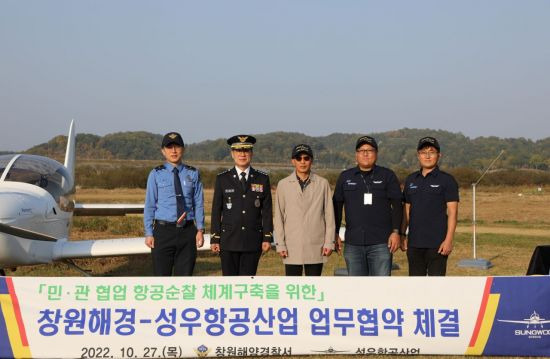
<point x="173" y="215"/>
<point x="242" y="222"/>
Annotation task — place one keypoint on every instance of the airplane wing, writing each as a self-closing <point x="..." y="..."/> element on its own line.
<point x="106" y="247"/>
<point x="65" y="249"/>
<point x="106" y="209"/>
<point x="99" y="248"/>
<point x="515" y="321"/>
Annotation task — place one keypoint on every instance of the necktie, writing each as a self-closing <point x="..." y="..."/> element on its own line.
<point x="179" y="193"/>
<point x="243" y="181"/>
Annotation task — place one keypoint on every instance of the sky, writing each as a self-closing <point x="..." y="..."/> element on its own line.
<point x="212" y="69"/>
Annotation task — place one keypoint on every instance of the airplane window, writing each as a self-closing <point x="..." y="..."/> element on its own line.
<point x="44" y="173"/>
<point x="4" y="160"/>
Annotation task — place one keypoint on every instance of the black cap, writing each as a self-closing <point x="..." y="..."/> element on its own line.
<point x="172" y="137"/>
<point x="426" y="142"/>
<point x="302" y="148"/>
<point x="366" y="140"/>
<point x="241" y="142"/>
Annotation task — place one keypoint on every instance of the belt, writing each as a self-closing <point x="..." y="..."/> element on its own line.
<point x="183" y="223"/>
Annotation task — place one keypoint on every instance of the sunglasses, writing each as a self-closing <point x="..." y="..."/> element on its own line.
<point x="302" y="158"/>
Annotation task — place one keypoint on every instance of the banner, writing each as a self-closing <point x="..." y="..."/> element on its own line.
<point x="175" y="317"/>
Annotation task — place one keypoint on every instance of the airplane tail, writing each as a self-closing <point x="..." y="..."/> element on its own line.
<point x="70" y="155"/>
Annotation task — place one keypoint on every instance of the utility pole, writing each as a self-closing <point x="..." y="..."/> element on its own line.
<point x="477" y="262"/>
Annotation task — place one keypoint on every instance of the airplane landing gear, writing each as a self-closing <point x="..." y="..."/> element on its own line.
<point x="84" y="272"/>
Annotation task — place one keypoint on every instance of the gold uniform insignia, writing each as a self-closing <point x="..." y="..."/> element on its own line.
<point x="243" y="138"/>
<point x="172" y="136"/>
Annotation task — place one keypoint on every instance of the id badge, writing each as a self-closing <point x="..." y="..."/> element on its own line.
<point x="367" y="199"/>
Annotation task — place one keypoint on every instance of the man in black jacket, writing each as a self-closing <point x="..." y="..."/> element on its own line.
<point x="242" y="222"/>
<point x="371" y="197"/>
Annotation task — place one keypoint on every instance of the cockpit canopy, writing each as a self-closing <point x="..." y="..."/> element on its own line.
<point x="39" y="171"/>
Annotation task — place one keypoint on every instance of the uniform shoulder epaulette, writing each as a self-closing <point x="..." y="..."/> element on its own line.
<point x="262" y="172"/>
<point x="159" y="168"/>
<point x="191" y="168"/>
<point x="223" y="172"/>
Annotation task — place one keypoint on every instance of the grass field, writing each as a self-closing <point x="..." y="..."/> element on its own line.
<point x="509" y="227"/>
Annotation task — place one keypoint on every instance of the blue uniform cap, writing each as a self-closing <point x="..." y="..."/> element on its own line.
<point x="172" y="137"/>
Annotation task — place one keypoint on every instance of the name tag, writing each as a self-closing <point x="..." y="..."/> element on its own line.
<point x="230" y="190"/>
<point x="367" y="199"/>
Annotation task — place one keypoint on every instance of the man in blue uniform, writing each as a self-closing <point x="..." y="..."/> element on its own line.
<point x="431" y="207"/>
<point x="242" y="222"/>
<point x="174" y="212"/>
<point x="371" y="197"/>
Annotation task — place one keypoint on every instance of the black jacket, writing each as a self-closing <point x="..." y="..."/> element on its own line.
<point x="368" y="224"/>
<point x="241" y="220"/>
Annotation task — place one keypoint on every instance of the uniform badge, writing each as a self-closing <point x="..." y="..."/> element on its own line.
<point x="256" y="187"/>
<point x="257" y="203"/>
<point x="230" y="190"/>
<point x="229" y="204"/>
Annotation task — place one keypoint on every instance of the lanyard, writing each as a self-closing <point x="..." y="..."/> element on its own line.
<point x="365" y="182"/>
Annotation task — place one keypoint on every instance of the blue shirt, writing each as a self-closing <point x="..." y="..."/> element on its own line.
<point x="160" y="197"/>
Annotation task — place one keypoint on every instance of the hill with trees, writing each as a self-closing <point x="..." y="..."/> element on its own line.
<point x="397" y="149"/>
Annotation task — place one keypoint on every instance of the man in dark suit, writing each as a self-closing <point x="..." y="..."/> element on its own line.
<point x="242" y="222"/>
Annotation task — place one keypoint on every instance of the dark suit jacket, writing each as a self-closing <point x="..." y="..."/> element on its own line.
<point x="241" y="220"/>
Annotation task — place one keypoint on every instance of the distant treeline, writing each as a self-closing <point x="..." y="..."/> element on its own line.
<point x="335" y="151"/>
<point x="89" y="176"/>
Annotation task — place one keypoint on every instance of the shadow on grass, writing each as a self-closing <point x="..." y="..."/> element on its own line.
<point x="208" y="264"/>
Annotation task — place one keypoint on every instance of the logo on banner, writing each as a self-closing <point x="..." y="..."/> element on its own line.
<point x="202" y="351"/>
<point x="330" y="350"/>
<point x="534" y="326"/>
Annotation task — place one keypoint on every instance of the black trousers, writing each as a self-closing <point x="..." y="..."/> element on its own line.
<point x="239" y="263"/>
<point x="175" y="250"/>
<point x="426" y="261"/>
<point x="295" y="270"/>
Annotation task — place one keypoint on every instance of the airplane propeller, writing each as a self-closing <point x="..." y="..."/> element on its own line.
<point x="25" y="233"/>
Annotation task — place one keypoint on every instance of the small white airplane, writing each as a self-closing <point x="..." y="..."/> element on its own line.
<point x="534" y="319"/>
<point x="36" y="210"/>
